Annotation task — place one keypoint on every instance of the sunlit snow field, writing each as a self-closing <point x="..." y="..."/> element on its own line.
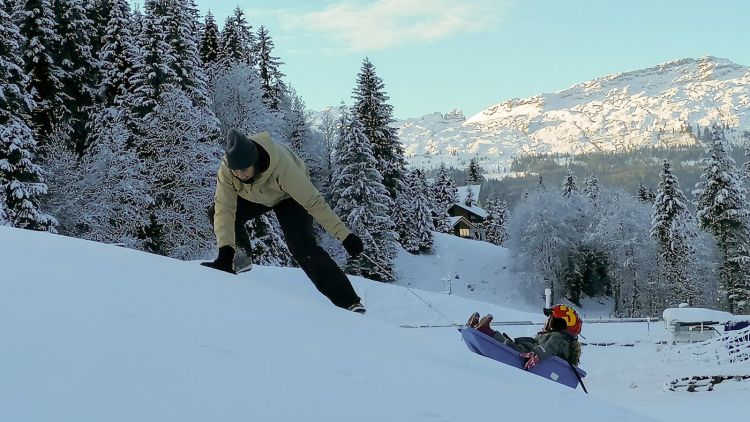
<point x="92" y="332"/>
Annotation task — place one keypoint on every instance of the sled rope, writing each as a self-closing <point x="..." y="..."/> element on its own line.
<point x="429" y="305"/>
<point x="580" y="381"/>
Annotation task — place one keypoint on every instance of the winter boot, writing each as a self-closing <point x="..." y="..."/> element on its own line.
<point x="484" y="326"/>
<point x="473" y="320"/>
<point x="358" y="308"/>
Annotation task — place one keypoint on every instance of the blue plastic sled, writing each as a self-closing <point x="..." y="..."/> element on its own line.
<point x="552" y="368"/>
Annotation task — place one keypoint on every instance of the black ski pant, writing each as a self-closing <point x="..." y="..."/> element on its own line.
<point x="297" y="226"/>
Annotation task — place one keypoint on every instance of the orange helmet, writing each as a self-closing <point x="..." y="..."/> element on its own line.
<point x="569" y="315"/>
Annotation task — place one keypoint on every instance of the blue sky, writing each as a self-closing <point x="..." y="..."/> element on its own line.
<point x="435" y="55"/>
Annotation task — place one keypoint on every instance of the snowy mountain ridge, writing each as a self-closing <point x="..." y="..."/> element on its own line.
<point x="647" y="107"/>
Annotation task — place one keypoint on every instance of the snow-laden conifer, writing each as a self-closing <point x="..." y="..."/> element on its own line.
<point x="470" y="200"/>
<point x="37" y="28"/>
<point x="210" y="40"/>
<point x="496" y="224"/>
<point x="77" y="70"/>
<point x="444" y="194"/>
<point x="269" y="69"/>
<point x="475" y="172"/>
<point x="591" y="187"/>
<point x="363" y="201"/>
<point x="671" y="227"/>
<point x="153" y="74"/>
<point x="569" y="186"/>
<point x="98" y="12"/>
<point x="95" y="205"/>
<point x="117" y="57"/>
<point x="237" y="100"/>
<point x="182" y="34"/>
<point x="422" y="211"/>
<point x="722" y="209"/>
<point x="267" y="246"/>
<point x="181" y="170"/>
<point x="376" y="114"/>
<point x="645" y="195"/>
<point x="21" y="181"/>
<point x="237" y="43"/>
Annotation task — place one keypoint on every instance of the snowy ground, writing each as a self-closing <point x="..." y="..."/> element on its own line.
<point x="467" y="268"/>
<point x="477" y="270"/>
<point x="92" y="332"/>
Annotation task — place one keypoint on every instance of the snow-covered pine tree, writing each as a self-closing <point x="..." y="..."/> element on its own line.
<point x="78" y="69"/>
<point x="469" y="200"/>
<point x="496" y="223"/>
<point x="267" y="246"/>
<point x="644" y="195"/>
<point x="422" y="211"/>
<point x="305" y="142"/>
<point x="591" y="187"/>
<point x="271" y="78"/>
<point x="372" y="108"/>
<point x="401" y="214"/>
<point x="541" y="235"/>
<point x="37" y="27"/>
<point x="9" y="6"/>
<point x="117" y="57"/>
<point x="475" y="172"/>
<point x="3" y="215"/>
<point x="136" y="25"/>
<point x="21" y="182"/>
<point x="746" y="169"/>
<point x="363" y="201"/>
<point x="671" y="229"/>
<point x="210" y="40"/>
<point x="540" y="186"/>
<point x="175" y="133"/>
<point x="105" y="208"/>
<point x="297" y="129"/>
<point x="183" y="155"/>
<point x="622" y="229"/>
<point x="237" y="41"/>
<point x="444" y="194"/>
<point x="722" y="209"/>
<point x="408" y="233"/>
<point x="153" y="74"/>
<point x="569" y="186"/>
<point x="572" y="275"/>
<point x="328" y="128"/>
<point x="98" y="11"/>
<point x="238" y="101"/>
<point x="182" y="34"/>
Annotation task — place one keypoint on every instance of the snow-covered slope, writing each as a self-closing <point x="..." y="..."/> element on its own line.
<point x="621" y="111"/>
<point x="91" y="332"/>
<point x="470" y="269"/>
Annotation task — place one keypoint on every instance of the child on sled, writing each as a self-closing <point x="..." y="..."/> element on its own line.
<point x="558" y="338"/>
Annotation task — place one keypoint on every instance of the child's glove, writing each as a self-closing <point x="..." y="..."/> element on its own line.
<point x="532" y="360"/>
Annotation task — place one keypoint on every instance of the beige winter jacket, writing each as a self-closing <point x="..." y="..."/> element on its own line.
<point x="286" y="177"/>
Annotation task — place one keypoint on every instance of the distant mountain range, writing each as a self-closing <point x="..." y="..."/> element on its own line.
<point x="658" y="106"/>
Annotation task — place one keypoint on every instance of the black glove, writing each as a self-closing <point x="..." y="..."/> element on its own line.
<point x="225" y="260"/>
<point x="353" y="245"/>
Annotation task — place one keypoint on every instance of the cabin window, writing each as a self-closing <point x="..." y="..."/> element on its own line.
<point x="463" y="232"/>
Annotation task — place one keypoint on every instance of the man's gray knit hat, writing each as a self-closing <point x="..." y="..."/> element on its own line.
<point x="241" y="151"/>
